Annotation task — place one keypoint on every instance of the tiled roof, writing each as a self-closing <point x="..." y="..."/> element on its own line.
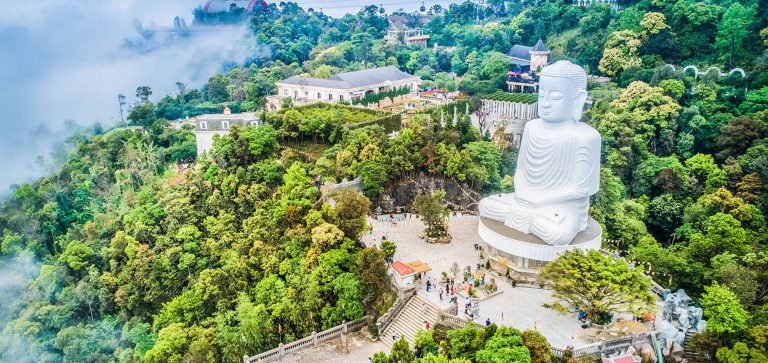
<point x="419" y="266"/>
<point x="521" y="52"/>
<point x="402" y="269"/>
<point x="540" y="47"/>
<point x="355" y="79"/>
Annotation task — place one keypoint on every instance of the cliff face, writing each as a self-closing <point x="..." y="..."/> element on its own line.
<point x="402" y="193"/>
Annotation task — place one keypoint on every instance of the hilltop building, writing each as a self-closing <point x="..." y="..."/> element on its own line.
<point x="529" y="58"/>
<point x="206" y="126"/>
<point x="400" y="31"/>
<point x="528" y="62"/>
<point x="343" y="87"/>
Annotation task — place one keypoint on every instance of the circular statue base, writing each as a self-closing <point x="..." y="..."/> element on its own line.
<point x="507" y="243"/>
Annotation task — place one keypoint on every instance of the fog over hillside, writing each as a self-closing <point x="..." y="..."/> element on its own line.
<point x="63" y="60"/>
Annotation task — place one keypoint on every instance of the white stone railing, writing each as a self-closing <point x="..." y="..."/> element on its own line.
<point x="516" y="110"/>
<point x="607" y="346"/>
<point x="310" y="341"/>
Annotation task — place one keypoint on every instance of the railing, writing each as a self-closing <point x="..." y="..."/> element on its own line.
<point x="607" y="346"/>
<point x="403" y="296"/>
<point x="311" y="340"/>
<point x="454" y="321"/>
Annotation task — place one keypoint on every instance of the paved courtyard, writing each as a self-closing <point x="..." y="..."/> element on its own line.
<point x="519" y="307"/>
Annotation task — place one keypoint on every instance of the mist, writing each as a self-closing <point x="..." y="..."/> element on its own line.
<point x="62" y="64"/>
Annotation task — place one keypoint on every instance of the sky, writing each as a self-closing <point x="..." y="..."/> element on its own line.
<point x="62" y="65"/>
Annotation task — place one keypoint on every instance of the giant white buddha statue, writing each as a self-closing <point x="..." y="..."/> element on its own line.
<point x="558" y="166"/>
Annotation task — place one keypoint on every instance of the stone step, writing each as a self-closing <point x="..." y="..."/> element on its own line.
<point x="410" y="320"/>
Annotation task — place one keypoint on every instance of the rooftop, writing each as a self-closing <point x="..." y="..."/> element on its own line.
<point x="402" y="269"/>
<point x="215" y="122"/>
<point x="522" y="53"/>
<point x="401" y="21"/>
<point x="348" y="80"/>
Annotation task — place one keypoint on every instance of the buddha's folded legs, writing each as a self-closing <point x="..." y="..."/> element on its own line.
<point x="496" y="206"/>
<point x="556" y="227"/>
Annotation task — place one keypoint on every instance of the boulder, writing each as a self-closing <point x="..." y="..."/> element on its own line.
<point x="647" y="353"/>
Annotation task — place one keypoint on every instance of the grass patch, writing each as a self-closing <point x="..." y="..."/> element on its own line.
<point x="308" y="147"/>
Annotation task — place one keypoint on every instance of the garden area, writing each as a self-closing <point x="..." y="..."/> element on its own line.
<point x="526" y="98"/>
<point x="323" y="122"/>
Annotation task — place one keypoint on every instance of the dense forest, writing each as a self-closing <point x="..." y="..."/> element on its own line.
<point x="138" y="257"/>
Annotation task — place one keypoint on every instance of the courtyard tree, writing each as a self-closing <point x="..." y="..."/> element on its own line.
<point x="597" y="284"/>
<point x="389" y="248"/>
<point x="434" y="212"/>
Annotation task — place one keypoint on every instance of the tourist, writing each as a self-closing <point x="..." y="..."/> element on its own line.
<point x="446" y="288"/>
<point x="453" y="291"/>
<point x="426" y="325"/>
<point x="488" y="321"/>
<point x="394" y="336"/>
<point x="429" y="285"/>
<point x="453" y="280"/>
<point x="441" y="295"/>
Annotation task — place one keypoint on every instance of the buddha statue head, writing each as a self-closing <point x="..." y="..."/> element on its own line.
<point x="562" y="92"/>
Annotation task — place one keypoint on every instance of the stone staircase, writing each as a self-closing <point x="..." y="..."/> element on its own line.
<point x="410" y="320"/>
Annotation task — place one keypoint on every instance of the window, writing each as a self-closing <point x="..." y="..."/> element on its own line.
<point x="225" y="125"/>
<point x="295" y="94"/>
<point x="203" y="125"/>
<point x="330" y="97"/>
<point x="255" y="123"/>
<point x="285" y="92"/>
<point x="319" y="96"/>
<point x="341" y="97"/>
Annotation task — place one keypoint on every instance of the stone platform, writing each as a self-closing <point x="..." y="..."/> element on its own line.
<point x="516" y="243"/>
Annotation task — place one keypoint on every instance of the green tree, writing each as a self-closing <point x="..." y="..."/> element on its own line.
<point x="732" y="32"/>
<point x="723" y="311"/>
<point x="433" y="211"/>
<point x="538" y="346"/>
<point x="389" y="248"/>
<point x="424" y="342"/>
<point x="506" y="345"/>
<point x="401" y="352"/>
<point x="597" y="284"/>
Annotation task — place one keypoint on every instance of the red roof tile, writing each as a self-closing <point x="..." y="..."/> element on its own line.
<point x="403" y="269"/>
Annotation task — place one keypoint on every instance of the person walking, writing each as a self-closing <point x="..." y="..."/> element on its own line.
<point x="429" y="285"/>
<point x="446" y="288"/>
<point x="441" y="295"/>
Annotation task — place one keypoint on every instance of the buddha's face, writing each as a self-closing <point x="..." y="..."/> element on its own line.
<point x="557" y="100"/>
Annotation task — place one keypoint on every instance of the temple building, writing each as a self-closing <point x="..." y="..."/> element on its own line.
<point x="206" y="126"/>
<point x="343" y="87"/>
